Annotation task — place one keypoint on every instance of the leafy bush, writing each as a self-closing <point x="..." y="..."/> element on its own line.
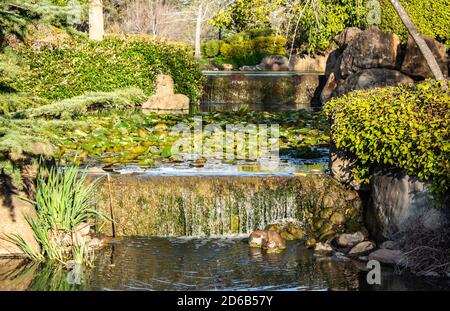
<point x="212" y="48"/>
<point x="77" y="106"/>
<point x="407" y="126"/>
<point x="76" y="66"/>
<point x="241" y="51"/>
<point x="432" y="18"/>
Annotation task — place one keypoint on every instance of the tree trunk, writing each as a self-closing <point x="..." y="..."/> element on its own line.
<point x="96" y="26"/>
<point x="198" y="32"/>
<point x="423" y="47"/>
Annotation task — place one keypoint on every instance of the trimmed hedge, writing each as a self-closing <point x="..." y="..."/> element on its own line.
<point x="407" y="126"/>
<point x="75" y="66"/>
<point x="431" y="17"/>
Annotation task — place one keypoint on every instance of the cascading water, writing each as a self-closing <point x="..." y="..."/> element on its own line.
<point x="261" y="91"/>
<point x="222" y="206"/>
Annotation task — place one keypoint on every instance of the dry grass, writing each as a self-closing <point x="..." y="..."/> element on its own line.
<point x="426" y="251"/>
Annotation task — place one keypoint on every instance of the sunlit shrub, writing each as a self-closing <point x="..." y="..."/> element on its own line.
<point x="407" y="126"/>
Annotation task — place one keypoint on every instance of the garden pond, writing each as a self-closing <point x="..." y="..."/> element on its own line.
<point x="185" y="264"/>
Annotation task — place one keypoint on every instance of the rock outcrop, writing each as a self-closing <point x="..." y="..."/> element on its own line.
<point x="372" y="58"/>
<point x="13" y="213"/>
<point x="398" y="201"/>
<point x="165" y="97"/>
<point x="371" y="78"/>
<point x="369" y="49"/>
<point x="275" y="63"/>
<point x="414" y="63"/>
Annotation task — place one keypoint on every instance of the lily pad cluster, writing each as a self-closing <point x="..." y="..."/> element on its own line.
<point x="134" y="138"/>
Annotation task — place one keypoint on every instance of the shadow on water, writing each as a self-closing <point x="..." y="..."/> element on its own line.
<point x="204" y="264"/>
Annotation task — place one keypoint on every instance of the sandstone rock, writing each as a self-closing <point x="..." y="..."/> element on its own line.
<point x="310" y="243"/>
<point x="337" y="219"/>
<point x="386" y="256"/>
<point x="250" y="68"/>
<point x="371" y="78"/>
<point x="341" y="167"/>
<point x="414" y="63"/>
<point x="83" y="228"/>
<point x="275" y="63"/>
<point x="340" y="257"/>
<point x="397" y="201"/>
<point x="13" y="211"/>
<point x="345" y="37"/>
<point x="371" y="49"/>
<point x="165" y="98"/>
<point x="361" y="249"/>
<point x="15" y="274"/>
<point x="227" y="67"/>
<point x="389" y="245"/>
<point x="257" y="238"/>
<point x="323" y="248"/>
<point x="287" y="236"/>
<point x="274" y="243"/>
<point x="350" y="240"/>
<point x="308" y="63"/>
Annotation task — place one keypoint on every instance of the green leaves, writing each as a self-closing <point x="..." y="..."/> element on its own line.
<point x="407" y="126"/>
<point x="75" y="66"/>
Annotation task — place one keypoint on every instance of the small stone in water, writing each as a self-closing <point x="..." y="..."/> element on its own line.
<point x="350" y="240"/>
<point x="362" y="248"/>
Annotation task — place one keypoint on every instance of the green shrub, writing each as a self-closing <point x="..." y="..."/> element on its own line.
<point x="244" y="51"/>
<point x="407" y="126"/>
<point x="432" y="18"/>
<point x="70" y="108"/>
<point x="271" y="45"/>
<point x="261" y="32"/>
<point x="76" y="66"/>
<point x="211" y="48"/>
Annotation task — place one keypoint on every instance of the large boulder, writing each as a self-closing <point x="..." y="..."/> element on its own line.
<point x="371" y="78"/>
<point x="414" y="63"/>
<point x="347" y="36"/>
<point x="307" y="63"/>
<point x="399" y="201"/>
<point x="13" y="213"/>
<point x="371" y="48"/>
<point x="275" y="63"/>
<point x="165" y="97"/>
<point x="333" y="74"/>
<point x="341" y="167"/>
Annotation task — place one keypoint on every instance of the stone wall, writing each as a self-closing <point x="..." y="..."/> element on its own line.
<point x="261" y="91"/>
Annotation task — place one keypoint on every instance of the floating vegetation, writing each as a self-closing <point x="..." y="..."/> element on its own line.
<point x="122" y="139"/>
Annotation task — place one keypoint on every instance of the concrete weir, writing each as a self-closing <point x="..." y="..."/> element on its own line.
<point x="143" y="205"/>
<point x="261" y="90"/>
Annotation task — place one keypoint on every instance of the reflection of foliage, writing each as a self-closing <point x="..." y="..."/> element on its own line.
<point x="405" y="126"/>
<point x="51" y="276"/>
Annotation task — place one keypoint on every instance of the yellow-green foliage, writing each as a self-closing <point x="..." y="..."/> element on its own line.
<point x="407" y="126"/>
<point x="75" y="66"/>
<point x="432" y="18"/>
<point x="241" y="50"/>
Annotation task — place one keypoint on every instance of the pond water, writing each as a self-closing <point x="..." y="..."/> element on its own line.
<point x="208" y="264"/>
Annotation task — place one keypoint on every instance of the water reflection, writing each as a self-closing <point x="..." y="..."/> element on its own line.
<point x="204" y="264"/>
